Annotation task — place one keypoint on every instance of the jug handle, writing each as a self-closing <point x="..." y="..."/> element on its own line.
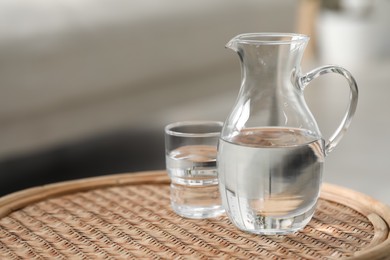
<point x="353" y="98"/>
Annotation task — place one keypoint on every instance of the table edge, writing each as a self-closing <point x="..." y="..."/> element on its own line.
<point x="20" y="199"/>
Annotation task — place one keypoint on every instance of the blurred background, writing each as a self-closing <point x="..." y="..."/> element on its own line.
<point x="86" y="86"/>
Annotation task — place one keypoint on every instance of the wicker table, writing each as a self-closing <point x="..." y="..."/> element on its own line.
<point x="128" y="216"/>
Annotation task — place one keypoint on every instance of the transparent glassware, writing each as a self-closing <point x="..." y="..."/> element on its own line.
<point x="271" y="151"/>
<point x="191" y="154"/>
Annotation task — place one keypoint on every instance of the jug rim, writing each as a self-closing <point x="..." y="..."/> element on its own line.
<point x="271" y="38"/>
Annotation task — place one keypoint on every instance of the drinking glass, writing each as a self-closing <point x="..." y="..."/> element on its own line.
<point x="191" y="152"/>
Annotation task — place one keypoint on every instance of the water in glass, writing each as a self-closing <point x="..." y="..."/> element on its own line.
<point x="194" y="182"/>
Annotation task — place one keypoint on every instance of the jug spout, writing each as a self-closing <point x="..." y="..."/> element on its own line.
<point x="232" y="44"/>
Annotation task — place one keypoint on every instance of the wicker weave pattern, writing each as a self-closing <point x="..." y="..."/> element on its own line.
<point x="135" y="221"/>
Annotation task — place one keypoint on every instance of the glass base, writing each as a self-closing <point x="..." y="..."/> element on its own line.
<point x="202" y="200"/>
<point x="269" y="225"/>
<point x="197" y="212"/>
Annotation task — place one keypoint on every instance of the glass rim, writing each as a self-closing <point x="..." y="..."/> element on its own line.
<point x="169" y="131"/>
<point x="272" y="38"/>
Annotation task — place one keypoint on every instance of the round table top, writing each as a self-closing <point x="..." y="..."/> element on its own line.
<point x="128" y="216"/>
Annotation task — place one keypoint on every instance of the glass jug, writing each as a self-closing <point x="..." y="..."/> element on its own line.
<point x="271" y="152"/>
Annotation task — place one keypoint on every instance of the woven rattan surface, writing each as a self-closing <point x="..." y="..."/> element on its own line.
<point x="129" y="216"/>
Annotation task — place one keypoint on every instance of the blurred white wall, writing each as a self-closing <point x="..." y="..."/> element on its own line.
<point x="72" y="69"/>
<point x="356" y="34"/>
